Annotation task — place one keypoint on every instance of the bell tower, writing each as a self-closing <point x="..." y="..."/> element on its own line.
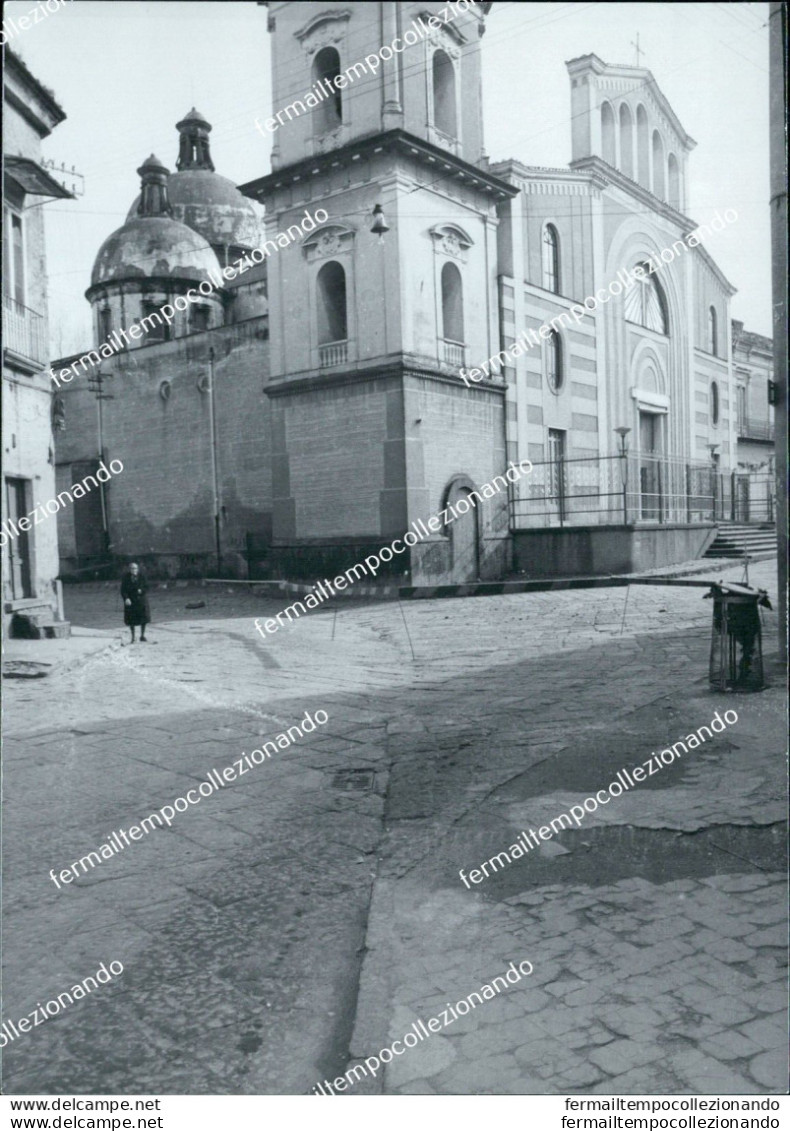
<point x="377" y="113"/>
<point x="343" y="71"/>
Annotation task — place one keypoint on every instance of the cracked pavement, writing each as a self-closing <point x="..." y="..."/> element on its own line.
<point x="303" y="917"/>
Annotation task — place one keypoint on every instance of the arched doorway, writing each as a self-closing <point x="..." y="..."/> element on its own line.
<point x="464" y="530"/>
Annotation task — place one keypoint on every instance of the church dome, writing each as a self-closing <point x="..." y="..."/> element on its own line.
<point x="153" y="243"/>
<point x="154" y="246"/>
<point x="203" y="199"/>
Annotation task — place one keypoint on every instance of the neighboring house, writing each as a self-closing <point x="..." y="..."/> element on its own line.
<point x="754" y="486"/>
<point x="306" y="430"/>
<point x="30" y="559"/>
<point x="753" y="365"/>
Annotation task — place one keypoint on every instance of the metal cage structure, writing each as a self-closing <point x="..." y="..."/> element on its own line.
<point x="736" y="650"/>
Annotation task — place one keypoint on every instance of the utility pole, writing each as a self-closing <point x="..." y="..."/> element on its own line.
<point x="777" y="42"/>
<point x="214" y="462"/>
<point x="96" y="385"/>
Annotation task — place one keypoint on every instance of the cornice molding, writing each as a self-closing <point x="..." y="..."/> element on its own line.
<point x="408" y="366"/>
<point x="398" y="141"/>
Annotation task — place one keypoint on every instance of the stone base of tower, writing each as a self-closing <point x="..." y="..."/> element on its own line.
<point x="359" y="457"/>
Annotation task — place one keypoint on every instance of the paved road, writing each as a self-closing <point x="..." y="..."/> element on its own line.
<point x="305" y="915"/>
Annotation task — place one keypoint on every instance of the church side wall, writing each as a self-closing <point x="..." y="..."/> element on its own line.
<point x="161" y="507"/>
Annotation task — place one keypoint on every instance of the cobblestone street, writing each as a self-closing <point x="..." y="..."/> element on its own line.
<point x="299" y="921"/>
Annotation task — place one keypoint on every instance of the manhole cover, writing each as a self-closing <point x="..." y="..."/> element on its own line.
<point x="353" y="780"/>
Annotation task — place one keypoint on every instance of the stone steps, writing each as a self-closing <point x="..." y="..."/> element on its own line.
<point x="734" y="539"/>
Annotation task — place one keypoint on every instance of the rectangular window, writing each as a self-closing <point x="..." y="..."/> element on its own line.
<point x="105" y="323"/>
<point x="13" y="257"/>
<point x="557" y="490"/>
<point x="6" y="251"/>
<point x="201" y="318"/>
<point x="18" y="257"/>
<point x="156" y="330"/>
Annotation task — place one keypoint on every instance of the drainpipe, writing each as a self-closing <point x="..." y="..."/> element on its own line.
<point x="214" y="471"/>
<point x="777" y="22"/>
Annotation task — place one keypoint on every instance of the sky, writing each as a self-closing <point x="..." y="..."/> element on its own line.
<point x="125" y="71"/>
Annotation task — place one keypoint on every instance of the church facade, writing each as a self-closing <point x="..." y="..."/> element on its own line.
<point x="313" y="408"/>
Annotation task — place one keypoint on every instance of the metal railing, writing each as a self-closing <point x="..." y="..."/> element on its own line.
<point x="748" y="496"/>
<point x="751" y="429"/>
<point x="614" y="490"/>
<point x="333" y="353"/>
<point x="23" y="330"/>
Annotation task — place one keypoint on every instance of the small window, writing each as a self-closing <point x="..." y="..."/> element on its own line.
<point x="13" y="258"/>
<point x="626" y="141"/>
<point x="452" y="304"/>
<point x="608" y="144"/>
<point x="714" y="402"/>
<point x="554" y="373"/>
<point x="658" y="166"/>
<point x="551" y="259"/>
<point x="332" y="319"/>
<point x="105" y="324"/>
<point x="713" y="342"/>
<point x="329" y="112"/>
<point x="444" y="115"/>
<point x="157" y="329"/>
<point x="201" y="318"/>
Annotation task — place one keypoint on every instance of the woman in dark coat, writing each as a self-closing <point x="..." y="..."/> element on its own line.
<point x="134" y="590"/>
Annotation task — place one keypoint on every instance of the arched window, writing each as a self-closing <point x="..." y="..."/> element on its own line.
<point x="329" y="112"/>
<point x="626" y="141"/>
<point x="607" y="134"/>
<point x="673" y="177"/>
<point x="714" y="402"/>
<point x="332" y="324"/>
<point x="645" y="304"/>
<point x="444" y="94"/>
<point x="105" y="323"/>
<point x="551" y="259"/>
<point x="642" y="147"/>
<point x="554" y="370"/>
<point x="713" y="337"/>
<point x="452" y="304"/>
<point x="658" y="166"/>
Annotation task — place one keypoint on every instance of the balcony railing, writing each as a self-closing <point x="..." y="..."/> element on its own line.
<point x="749" y="429"/>
<point x="333" y="353"/>
<point x="23" y="330"/>
<point x="453" y="353"/>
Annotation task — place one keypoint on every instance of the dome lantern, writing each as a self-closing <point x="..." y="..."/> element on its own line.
<point x="193" y="147"/>
<point x="153" y="196"/>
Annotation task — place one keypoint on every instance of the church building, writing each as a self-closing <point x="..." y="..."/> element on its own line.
<point x="306" y="413"/>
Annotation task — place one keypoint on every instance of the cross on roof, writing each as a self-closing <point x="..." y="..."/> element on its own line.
<point x="639" y="50"/>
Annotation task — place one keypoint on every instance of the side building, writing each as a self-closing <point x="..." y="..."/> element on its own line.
<point x="29" y="546"/>
<point x="754" y="488"/>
